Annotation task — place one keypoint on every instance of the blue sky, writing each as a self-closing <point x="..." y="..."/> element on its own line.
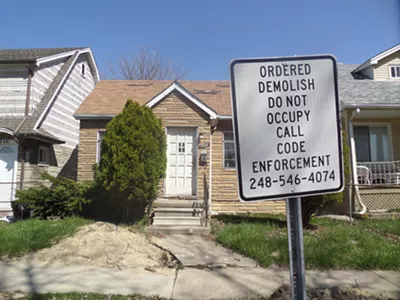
<point x="204" y="36"/>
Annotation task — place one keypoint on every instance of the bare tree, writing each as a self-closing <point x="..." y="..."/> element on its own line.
<point x="145" y="64"/>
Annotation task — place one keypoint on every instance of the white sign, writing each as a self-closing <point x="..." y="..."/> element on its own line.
<point x="287" y="127"/>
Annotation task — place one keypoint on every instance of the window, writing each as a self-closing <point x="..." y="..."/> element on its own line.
<point x="372" y="143"/>
<point x="229" y="151"/>
<point x="83" y="69"/>
<point x="100" y="137"/>
<point x="181" y="147"/>
<point x="44" y="155"/>
<point x="394" y="71"/>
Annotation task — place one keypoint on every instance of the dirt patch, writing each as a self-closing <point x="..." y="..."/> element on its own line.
<point x="335" y="293"/>
<point x="108" y="246"/>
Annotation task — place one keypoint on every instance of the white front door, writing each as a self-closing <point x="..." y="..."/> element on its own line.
<point x="8" y="172"/>
<point x="181" y="161"/>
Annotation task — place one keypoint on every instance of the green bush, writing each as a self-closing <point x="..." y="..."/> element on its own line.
<point x="64" y="198"/>
<point x="133" y="159"/>
<point x="310" y="205"/>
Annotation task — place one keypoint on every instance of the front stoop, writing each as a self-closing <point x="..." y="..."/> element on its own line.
<point x="177" y="216"/>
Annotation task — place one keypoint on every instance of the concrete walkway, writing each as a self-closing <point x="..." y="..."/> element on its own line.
<point x="188" y="283"/>
<point x="197" y="251"/>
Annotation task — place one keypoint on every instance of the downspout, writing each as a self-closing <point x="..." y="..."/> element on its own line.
<point x="356" y="192"/>
<point x="27" y="105"/>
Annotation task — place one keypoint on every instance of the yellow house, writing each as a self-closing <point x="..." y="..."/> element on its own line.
<point x="370" y="96"/>
<point x="201" y="167"/>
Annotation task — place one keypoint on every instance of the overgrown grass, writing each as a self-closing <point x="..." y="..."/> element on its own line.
<point x="334" y="245"/>
<point x="382" y="226"/>
<point x="31" y="235"/>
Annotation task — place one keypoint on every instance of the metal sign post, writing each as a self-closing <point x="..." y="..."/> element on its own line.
<point x="296" y="248"/>
<point x="288" y="143"/>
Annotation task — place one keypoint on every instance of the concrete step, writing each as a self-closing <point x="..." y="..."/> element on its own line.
<point x="171" y="230"/>
<point x="178" y="203"/>
<point x="177" y="221"/>
<point x="177" y="212"/>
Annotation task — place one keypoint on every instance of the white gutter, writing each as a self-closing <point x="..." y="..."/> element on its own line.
<point x="354" y="162"/>
<point x="383" y="105"/>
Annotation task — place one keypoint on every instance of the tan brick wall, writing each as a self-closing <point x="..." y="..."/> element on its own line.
<point x="174" y="111"/>
<point x="224" y="191"/>
<point x="87" y="147"/>
<point x="177" y="111"/>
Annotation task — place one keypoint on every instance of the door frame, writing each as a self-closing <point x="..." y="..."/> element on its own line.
<point x="15" y="171"/>
<point x="195" y="163"/>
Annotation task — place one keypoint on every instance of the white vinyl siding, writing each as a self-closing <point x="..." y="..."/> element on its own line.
<point x="229" y="151"/>
<point x="42" y="79"/>
<point x="382" y="69"/>
<point x="60" y="121"/>
<point x="13" y="88"/>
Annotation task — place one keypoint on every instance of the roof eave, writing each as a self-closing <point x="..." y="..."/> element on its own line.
<point x="40" y="137"/>
<point x="94" y="116"/>
<point x="371" y="105"/>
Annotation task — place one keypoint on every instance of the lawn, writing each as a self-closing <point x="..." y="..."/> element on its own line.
<point x="31" y="235"/>
<point x="334" y="244"/>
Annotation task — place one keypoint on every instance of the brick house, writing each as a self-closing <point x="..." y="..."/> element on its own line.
<point x="197" y="119"/>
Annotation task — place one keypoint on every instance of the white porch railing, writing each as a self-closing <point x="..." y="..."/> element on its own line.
<point x="378" y="173"/>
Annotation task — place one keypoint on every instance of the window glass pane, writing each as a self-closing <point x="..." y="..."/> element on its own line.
<point x="398" y="72"/>
<point x="229" y="151"/>
<point x="229" y="145"/>
<point x="393" y="71"/>
<point x="361" y="137"/>
<point x="228" y="136"/>
<point x="99" y="142"/>
<point x="379" y="143"/>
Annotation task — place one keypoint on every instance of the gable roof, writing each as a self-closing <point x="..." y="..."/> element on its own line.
<point x="31" y="123"/>
<point x="375" y="59"/>
<point x="30" y="55"/>
<point x="353" y="90"/>
<point x="110" y="96"/>
<point x="179" y="88"/>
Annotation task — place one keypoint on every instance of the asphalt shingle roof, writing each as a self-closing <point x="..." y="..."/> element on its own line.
<point x="30" y="55"/>
<point x="110" y="96"/>
<point x="366" y="91"/>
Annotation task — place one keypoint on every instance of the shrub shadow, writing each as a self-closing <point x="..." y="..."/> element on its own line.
<point x="253" y="219"/>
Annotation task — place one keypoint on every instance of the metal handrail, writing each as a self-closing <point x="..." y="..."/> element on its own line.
<point x="206" y="198"/>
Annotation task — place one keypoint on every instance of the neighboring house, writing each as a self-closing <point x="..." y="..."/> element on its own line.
<point x="370" y="95"/>
<point x="40" y="89"/>
<point x="198" y="120"/>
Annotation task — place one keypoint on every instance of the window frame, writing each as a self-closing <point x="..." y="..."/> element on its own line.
<point x="390" y="71"/>
<point x="223" y="151"/>
<point x="98" y="144"/>
<point x="83" y="70"/>
<point x="388" y="126"/>
<point x="46" y="150"/>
